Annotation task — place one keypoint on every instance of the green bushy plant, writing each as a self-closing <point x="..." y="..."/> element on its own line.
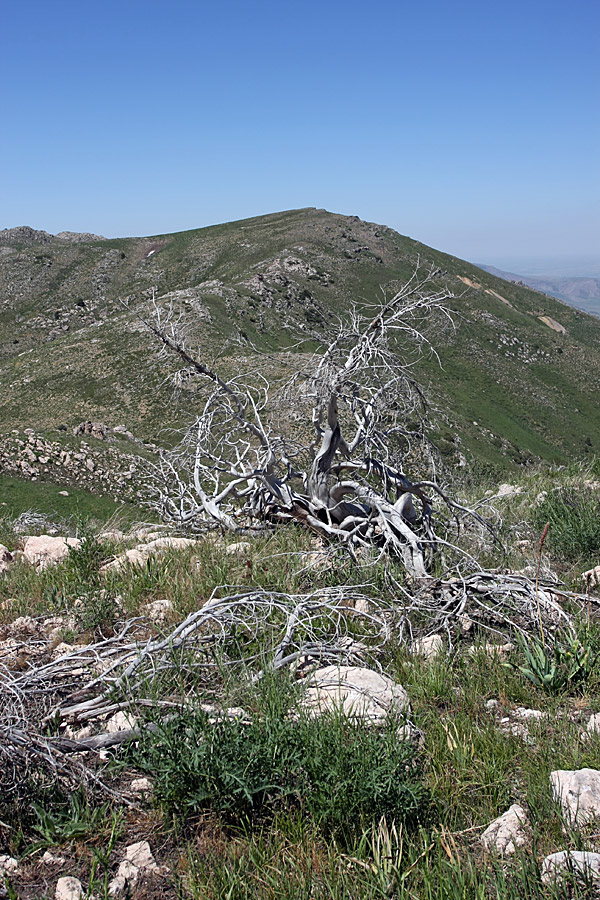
<point x="59" y="820"/>
<point x="82" y="565"/>
<point x="339" y="771"/>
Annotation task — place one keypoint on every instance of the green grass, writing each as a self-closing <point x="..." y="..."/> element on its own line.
<point x="18" y="496"/>
<point x="573" y="514"/>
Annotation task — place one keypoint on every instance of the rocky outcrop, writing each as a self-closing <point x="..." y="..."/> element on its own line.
<point x="95" y="429"/>
<point x="24" y="234"/>
<point x="102" y="469"/>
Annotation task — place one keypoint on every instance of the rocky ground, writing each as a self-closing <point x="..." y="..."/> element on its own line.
<point x="509" y="762"/>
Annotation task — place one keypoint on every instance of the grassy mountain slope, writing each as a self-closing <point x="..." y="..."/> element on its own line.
<point x="519" y="376"/>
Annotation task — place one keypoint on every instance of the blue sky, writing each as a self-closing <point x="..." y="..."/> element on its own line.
<point x="471" y="126"/>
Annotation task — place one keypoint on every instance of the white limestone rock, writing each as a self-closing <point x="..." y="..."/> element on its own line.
<point x="359" y="692"/>
<point x="363" y="606"/>
<point x="429" y="647"/>
<point x="529" y="715"/>
<point x="138" y="860"/>
<point x="51" y="860"/>
<point x="159" y="610"/>
<point x="8" y="864"/>
<point x="121" y="721"/>
<point x="507" y="832"/>
<point x="592" y="576"/>
<point x="579" y="861"/>
<point x="168" y="543"/>
<point x="6" y="558"/>
<point x="113" y="535"/>
<point x="25" y="626"/>
<point x="133" y="557"/>
<point x="139" y="555"/>
<point x="141" y="787"/>
<point x="507" y="490"/>
<point x="140" y="855"/>
<point x="238" y="548"/>
<point x="43" y="550"/>
<point x="578" y="793"/>
<point x="593" y="726"/>
<point x="69" y="888"/>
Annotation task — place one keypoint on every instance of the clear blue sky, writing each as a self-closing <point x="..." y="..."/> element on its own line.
<point x="472" y="126"/>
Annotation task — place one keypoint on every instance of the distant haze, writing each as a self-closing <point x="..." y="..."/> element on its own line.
<point x="557" y="266"/>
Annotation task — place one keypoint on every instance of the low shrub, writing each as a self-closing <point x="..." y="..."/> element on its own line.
<point x="341" y="773"/>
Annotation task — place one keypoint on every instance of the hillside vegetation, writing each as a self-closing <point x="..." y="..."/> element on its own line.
<point x="518" y="371"/>
<point x="205" y="773"/>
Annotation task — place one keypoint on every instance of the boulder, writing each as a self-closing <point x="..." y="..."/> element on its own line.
<point x="357" y="691"/>
<point x="581" y="862"/>
<point x="578" y="793"/>
<point x="507" y="832"/>
<point x="44" y="550"/>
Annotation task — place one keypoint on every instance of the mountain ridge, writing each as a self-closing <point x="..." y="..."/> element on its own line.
<point x="511" y="388"/>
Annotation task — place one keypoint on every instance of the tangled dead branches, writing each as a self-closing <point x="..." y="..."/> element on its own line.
<point x="346" y="483"/>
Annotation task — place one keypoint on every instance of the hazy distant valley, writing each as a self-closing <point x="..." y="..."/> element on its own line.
<point x="582" y="292"/>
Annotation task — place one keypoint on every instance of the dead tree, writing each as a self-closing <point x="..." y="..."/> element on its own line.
<point x="346" y="480"/>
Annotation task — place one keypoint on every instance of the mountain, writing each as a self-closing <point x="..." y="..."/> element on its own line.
<point x="519" y="373"/>
<point x="581" y="292"/>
